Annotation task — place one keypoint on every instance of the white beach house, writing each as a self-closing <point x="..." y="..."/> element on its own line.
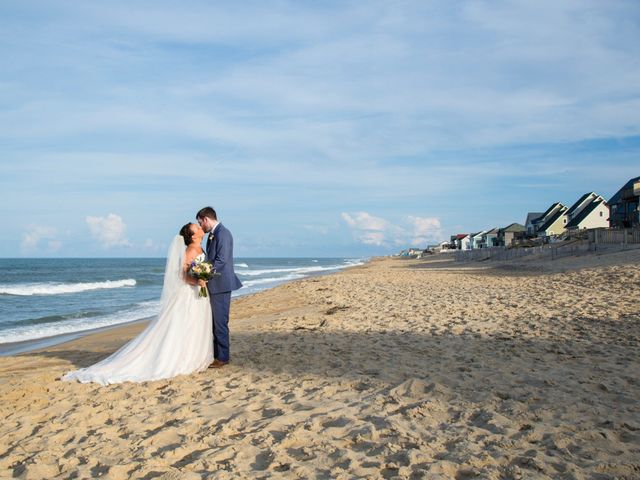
<point x="491" y="238"/>
<point x="478" y="240"/>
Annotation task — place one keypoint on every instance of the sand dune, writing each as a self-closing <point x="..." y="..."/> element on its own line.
<point x="396" y="369"/>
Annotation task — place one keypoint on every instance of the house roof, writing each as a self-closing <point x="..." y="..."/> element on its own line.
<point x="548" y="211"/>
<point x="460" y="236"/>
<point x="618" y="196"/>
<point x="514" y="227"/>
<point x="553" y="219"/>
<point x="575" y="206"/>
<point x="493" y="231"/>
<point x="584" y="213"/>
<point x="532" y="217"/>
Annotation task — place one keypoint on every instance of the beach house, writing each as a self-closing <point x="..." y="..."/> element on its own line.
<point x="507" y="236"/>
<point x="478" y="240"/>
<point x="590" y="211"/>
<point x="491" y="238"/>
<point x="411" y="252"/>
<point x="444" y="247"/>
<point x="529" y="223"/>
<point x="625" y="205"/>
<point x="552" y="222"/>
<point x="461" y="241"/>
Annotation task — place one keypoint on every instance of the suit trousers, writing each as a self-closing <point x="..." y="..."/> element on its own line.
<point x="220" y="305"/>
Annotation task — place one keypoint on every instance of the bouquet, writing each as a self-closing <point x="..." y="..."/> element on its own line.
<point x="202" y="270"/>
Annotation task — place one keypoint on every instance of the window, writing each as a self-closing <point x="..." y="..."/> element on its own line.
<point x="600" y="213"/>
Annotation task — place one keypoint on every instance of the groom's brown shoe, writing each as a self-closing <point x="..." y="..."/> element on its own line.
<point x="218" y="364"/>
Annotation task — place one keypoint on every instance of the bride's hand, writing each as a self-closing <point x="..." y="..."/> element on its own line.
<point x="202" y="283"/>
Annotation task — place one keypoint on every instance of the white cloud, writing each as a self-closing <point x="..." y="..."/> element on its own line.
<point x="35" y="234"/>
<point x="414" y="231"/>
<point x="425" y="230"/>
<point x="368" y="229"/>
<point x="365" y="221"/>
<point x="387" y="79"/>
<point x="110" y="231"/>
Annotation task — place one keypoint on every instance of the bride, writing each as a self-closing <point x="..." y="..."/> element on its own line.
<point x="179" y="340"/>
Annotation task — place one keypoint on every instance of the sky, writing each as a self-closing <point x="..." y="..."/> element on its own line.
<point x="343" y="128"/>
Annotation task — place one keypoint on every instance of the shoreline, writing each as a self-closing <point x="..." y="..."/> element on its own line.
<point x="35" y="344"/>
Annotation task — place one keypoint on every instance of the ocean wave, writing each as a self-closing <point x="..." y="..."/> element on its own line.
<point x="241" y="265"/>
<point x="353" y="263"/>
<point x="287" y="274"/>
<point x="295" y="274"/>
<point x="140" y="311"/>
<point x="292" y="273"/>
<point x="299" y="270"/>
<point x="22" y="322"/>
<point x="62" y="288"/>
<point x="274" y="280"/>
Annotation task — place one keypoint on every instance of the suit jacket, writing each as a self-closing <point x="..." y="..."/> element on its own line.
<point x="220" y="253"/>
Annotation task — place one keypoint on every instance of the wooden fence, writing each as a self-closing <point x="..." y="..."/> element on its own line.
<point x="581" y="242"/>
<point x="610" y="236"/>
<point x="494" y="253"/>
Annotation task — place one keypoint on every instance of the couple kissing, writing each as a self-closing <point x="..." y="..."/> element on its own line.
<point x="191" y="333"/>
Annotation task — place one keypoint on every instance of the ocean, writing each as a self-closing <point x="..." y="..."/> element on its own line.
<point x="45" y="301"/>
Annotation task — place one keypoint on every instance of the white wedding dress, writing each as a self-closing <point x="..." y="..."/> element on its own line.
<point x="179" y="341"/>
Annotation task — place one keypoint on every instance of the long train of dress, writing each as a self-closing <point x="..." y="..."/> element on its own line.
<point x="179" y="341"/>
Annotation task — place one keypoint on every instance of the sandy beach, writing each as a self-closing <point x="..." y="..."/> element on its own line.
<point x="396" y="369"/>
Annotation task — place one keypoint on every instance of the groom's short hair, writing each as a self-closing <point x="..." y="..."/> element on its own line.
<point x="207" y="212"/>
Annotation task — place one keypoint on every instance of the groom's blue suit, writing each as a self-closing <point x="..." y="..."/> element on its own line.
<point x="220" y="253"/>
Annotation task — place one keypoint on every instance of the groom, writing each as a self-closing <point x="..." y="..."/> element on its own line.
<point x="220" y="253"/>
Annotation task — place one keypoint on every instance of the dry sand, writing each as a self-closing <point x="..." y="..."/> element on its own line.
<point x="397" y="369"/>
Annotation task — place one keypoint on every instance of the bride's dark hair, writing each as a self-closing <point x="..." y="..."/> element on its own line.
<point x="187" y="234"/>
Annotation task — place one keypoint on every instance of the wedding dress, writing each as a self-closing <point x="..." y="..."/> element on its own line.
<point x="179" y="341"/>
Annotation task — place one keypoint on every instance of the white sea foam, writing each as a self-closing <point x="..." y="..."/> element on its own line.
<point x="262" y="281"/>
<point x="61" y="288"/>
<point x="253" y="280"/>
<point x="300" y="270"/>
<point x="241" y="265"/>
<point x="289" y="274"/>
<point x="353" y="263"/>
<point x="140" y="311"/>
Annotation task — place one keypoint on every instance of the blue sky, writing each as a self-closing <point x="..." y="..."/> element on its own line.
<point x="314" y="128"/>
